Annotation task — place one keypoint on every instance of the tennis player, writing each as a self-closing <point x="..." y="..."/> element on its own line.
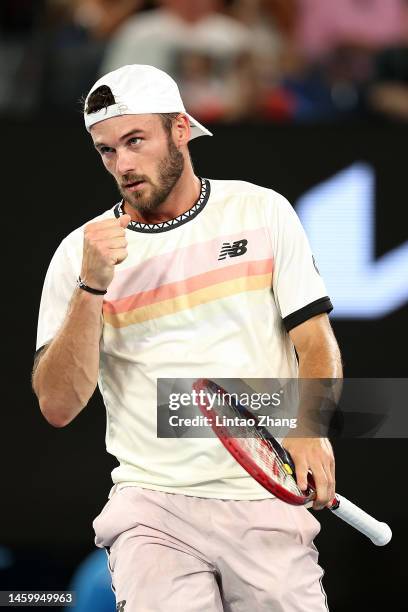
<point x="185" y="277"/>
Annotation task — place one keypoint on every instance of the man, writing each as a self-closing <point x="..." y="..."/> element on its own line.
<point x="186" y="528"/>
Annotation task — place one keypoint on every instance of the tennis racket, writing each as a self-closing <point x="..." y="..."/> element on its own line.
<point x="257" y="451"/>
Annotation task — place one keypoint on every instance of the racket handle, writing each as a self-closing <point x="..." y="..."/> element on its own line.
<point x="379" y="533"/>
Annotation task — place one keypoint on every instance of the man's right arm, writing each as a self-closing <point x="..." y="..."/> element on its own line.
<point x="65" y="373"/>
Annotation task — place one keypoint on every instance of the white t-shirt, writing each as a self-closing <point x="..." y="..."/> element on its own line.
<point x="210" y="294"/>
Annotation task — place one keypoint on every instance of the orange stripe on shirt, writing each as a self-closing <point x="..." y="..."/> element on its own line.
<point x="189" y="300"/>
<point x="187" y="285"/>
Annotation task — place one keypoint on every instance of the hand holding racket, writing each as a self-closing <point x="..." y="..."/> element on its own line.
<point x="313" y="455"/>
<point x="261" y="455"/>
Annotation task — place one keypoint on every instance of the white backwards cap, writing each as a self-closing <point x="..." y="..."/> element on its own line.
<point x="139" y="89"/>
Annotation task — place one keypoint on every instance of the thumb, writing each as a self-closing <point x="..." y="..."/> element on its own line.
<point x="124" y="220"/>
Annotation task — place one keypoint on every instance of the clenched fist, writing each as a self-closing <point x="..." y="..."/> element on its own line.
<point x="105" y="245"/>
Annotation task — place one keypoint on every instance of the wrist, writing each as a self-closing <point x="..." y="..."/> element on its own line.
<point x="82" y="284"/>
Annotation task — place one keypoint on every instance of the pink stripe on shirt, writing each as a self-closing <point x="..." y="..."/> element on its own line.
<point x="187" y="262"/>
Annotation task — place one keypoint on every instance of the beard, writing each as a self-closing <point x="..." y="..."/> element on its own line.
<point x="170" y="169"/>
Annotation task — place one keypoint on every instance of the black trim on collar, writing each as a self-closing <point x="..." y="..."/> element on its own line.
<point x="165" y="226"/>
<point x="307" y="312"/>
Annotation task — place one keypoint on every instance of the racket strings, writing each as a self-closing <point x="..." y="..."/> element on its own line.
<point x="260" y="448"/>
<point x="270" y="462"/>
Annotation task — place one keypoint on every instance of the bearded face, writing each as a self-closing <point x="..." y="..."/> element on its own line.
<point x="145" y="193"/>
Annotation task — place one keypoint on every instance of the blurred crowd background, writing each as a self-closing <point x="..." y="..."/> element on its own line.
<point x="235" y="60"/>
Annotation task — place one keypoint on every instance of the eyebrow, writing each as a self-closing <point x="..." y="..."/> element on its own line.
<point x="98" y="145"/>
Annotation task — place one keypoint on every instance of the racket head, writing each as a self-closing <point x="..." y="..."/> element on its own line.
<point x="253" y="447"/>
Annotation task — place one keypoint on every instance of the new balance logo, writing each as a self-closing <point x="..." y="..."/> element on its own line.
<point x="233" y="250"/>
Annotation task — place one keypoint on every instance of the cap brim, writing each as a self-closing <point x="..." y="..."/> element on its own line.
<point x="197" y="129"/>
<point x="115" y="110"/>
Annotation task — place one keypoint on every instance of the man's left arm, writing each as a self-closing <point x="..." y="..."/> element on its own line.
<point x="319" y="357"/>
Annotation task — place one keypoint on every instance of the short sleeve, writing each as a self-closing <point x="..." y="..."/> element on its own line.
<point x="298" y="288"/>
<point x="59" y="285"/>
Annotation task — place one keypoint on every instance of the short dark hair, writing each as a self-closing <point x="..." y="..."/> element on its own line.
<point x="103" y="97"/>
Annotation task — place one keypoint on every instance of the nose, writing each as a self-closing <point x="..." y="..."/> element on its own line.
<point x="125" y="162"/>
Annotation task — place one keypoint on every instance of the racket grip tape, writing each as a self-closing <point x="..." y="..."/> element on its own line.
<point x="379" y="533"/>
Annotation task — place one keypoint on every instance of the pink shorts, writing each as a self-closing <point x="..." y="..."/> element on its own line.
<point x="170" y="552"/>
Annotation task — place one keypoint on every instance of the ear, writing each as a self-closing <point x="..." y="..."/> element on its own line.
<point x="181" y="130"/>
